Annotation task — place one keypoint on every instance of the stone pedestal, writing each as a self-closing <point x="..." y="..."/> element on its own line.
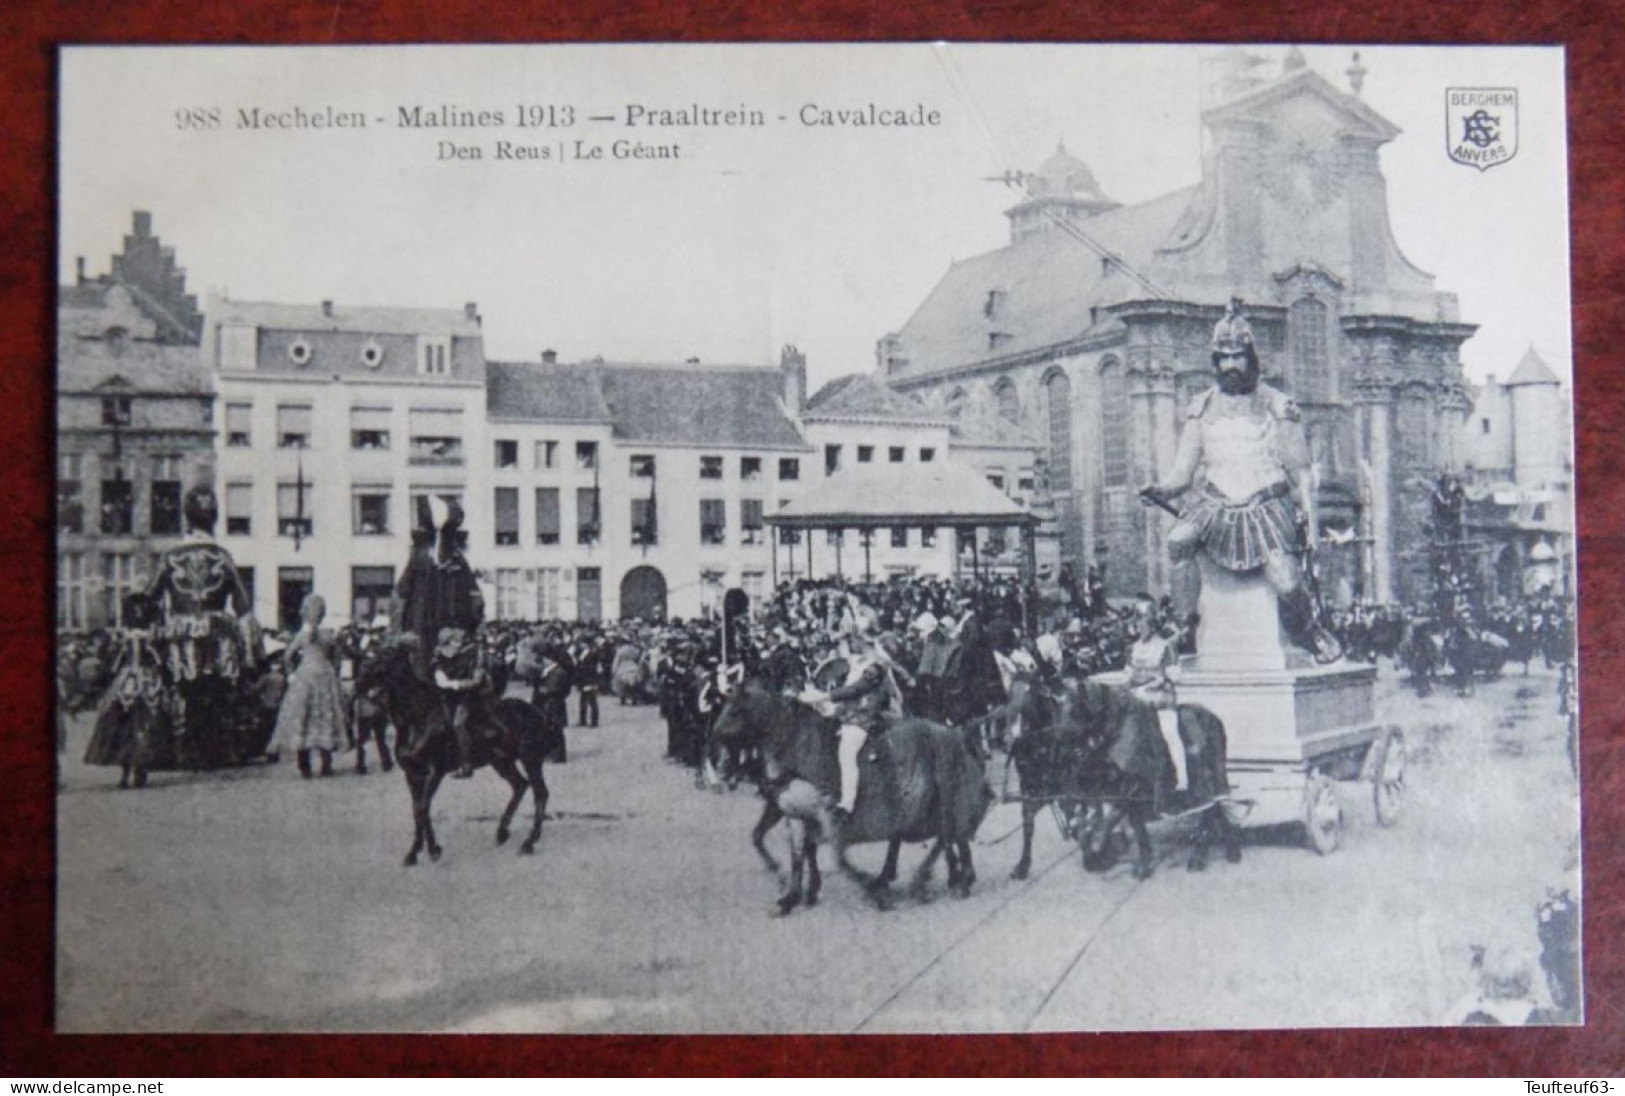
<point x="1281" y="723"/>
<point x="1240" y="627"/>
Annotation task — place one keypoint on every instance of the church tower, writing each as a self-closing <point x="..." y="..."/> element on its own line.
<point x="1063" y="189"/>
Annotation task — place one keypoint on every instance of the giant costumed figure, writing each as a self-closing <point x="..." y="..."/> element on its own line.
<point x="1242" y="474"/>
<point x="206" y="636"/>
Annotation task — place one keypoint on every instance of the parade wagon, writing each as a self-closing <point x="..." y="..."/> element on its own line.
<point x="1294" y="736"/>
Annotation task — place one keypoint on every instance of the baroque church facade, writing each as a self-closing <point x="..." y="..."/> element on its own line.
<point x="1090" y="330"/>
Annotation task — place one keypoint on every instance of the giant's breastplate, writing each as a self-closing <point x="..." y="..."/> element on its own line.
<point x="1240" y="451"/>
<point x="198" y="578"/>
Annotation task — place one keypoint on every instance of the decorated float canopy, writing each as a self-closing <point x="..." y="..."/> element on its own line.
<point x="872" y="496"/>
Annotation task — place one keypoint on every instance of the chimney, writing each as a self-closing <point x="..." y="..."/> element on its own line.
<point x="327" y="309"/>
<point x="793" y="367"/>
<point x="549" y="357"/>
<point x="471" y="311"/>
<point x="79" y="265"/>
<point x="143" y="223"/>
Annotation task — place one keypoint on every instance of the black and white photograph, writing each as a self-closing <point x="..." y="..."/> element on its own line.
<point x="795" y="539"/>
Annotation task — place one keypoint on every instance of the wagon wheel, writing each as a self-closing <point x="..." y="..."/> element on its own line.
<point x="1388" y="782"/>
<point x="1322" y="814"/>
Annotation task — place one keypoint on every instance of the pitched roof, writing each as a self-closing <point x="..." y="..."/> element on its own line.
<point x="85" y="365"/>
<point x="728" y="406"/>
<point x="372" y="321"/>
<point x="1047" y="283"/>
<point x="940" y="493"/>
<point x="1532" y="370"/>
<point x="864" y="396"/>
<point x="544" y="392"/>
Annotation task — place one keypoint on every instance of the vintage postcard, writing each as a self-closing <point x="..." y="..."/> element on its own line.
<point x="810" y="538"/>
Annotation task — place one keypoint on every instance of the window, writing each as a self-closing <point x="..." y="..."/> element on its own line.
<point x="70" y="503"/>
<point x="832" y="459"/>
<point x="547" y="455"/>
<point x="293" y="510"/>
<point x="588" y="519"/>
<point x="928" y="536"/>
<point x="1485" y="424"/>
<point x="434" y="357"/>
<point x="507" y="453"/>
<point x="927" y="455"/>
<point x="866" y="453"/>
<point x="1058" y="391"/>
<point x="895" y="454"/>
<point x="1025" y="482"/>
<point x="710" y="468"/>
<point x="750" y="469"/>
<point x="586" y="456"/>
<point x="642" y="466"/>
<point x="507" y="584"/>
<point x="1307" y="322"/>
<point x="713" y="521"/>
<point x="644" y="530"/>
<point x="789" y="468"/>
<point x="547" y="594"/>
<point x="115" y="410"/>
<point x="1113" y="426"/>
<point x="164" y="498"/>
<point x="293" y="426"/>
<point x="548" y="523"/>
<point x="118" y="583"/>
<point x="832" y="537"/>
<point x="899" y="536"/>
<point x="239" y="428"/>
<point x="369" y="428"/>
<point x="118" y="499"/>
<point x="370" y="591"/>
<point x="71" y="606"/>
<point x="436" y="436"/>
<point x="754" y="583"/>
<point x="996" y="479"/>
<point x="505" y="519"/>
<point x="712" y="585"/>
<point x="750" y="521"/>
<point x="1009" y="400"/>
<point x="239" y="509"/>
<point x="369" y="512"/>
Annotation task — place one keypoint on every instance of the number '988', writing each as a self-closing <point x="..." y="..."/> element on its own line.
<point x="197" y="118"/>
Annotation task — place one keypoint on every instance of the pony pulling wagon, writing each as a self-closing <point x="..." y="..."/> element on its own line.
<point x="1294" y="735"/>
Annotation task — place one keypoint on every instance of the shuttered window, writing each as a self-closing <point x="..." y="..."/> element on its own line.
<point x="547" y="515"/>
<point x="506" y="516"/>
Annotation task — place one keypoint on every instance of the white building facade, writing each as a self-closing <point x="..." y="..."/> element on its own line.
<point x="332" y="424"/>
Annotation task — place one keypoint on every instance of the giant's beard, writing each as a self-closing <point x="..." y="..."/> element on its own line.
<point x="1238" y="382"/>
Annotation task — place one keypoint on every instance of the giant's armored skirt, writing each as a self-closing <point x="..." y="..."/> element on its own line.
<point x="1243" y="536"/>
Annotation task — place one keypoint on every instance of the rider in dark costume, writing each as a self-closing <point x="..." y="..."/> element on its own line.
<point x="438" y="592"/>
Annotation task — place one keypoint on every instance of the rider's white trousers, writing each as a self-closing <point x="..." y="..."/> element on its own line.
<point x="851" y="740"/>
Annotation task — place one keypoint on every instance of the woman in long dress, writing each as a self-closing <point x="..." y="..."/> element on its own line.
<point x="312" y="716"/>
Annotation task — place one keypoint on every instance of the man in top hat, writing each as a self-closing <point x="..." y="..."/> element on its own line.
<point x="1254" y="511"/>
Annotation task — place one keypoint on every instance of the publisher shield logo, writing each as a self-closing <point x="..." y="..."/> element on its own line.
<point x="1481" y="125"/>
